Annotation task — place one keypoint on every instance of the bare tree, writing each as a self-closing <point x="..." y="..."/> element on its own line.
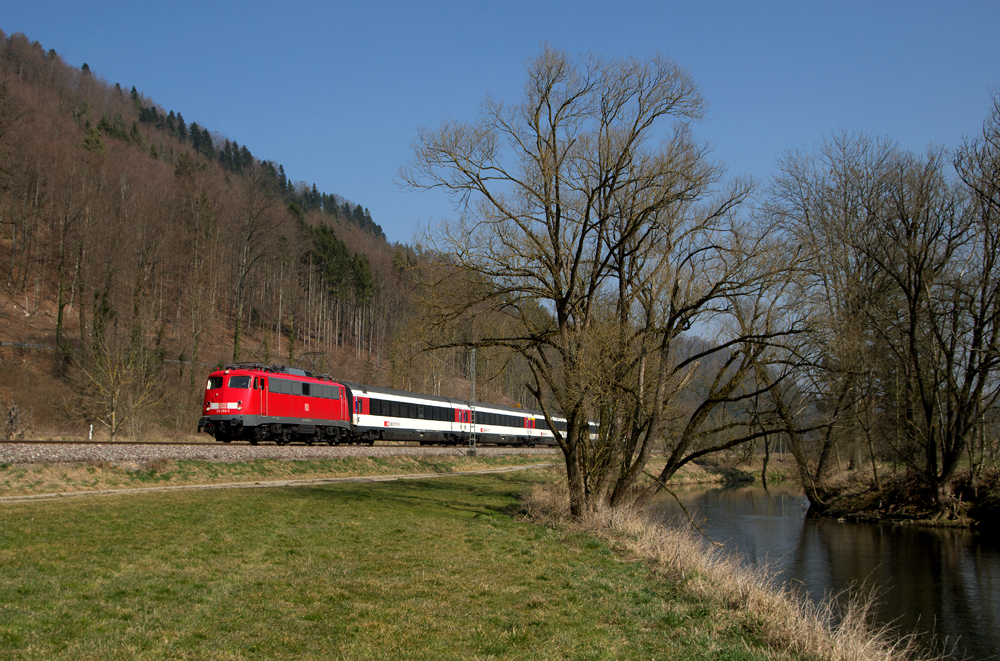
<point x="258" y="216"/>
<point x="592" y="220"/>
<point x="119" y="379"/>
<point x="903" y="282"/>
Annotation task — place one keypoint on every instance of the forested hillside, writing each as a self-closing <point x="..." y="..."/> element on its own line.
<point x="147" y="249"/>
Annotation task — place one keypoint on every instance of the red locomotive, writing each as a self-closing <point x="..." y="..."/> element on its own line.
<point x="257" y="403"/>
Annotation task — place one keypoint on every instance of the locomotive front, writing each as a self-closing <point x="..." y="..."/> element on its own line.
<point x="230" y="404"/>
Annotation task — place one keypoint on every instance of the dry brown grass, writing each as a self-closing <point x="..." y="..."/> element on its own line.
<point x="841" y="628"/>
<point x="65" y="478"/>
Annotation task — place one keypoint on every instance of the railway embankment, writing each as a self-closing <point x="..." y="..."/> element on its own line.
<point x="33" y="469"/>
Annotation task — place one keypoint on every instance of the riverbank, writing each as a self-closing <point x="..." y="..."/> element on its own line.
<point x="712" y="470"/>
<point x="842" y="626"/>
<point x="904" y="499"/>
<point x="896" y="497"/>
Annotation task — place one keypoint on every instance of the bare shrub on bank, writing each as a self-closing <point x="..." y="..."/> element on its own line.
<point x="16" y="421"/>
<point x="840" y="628"/>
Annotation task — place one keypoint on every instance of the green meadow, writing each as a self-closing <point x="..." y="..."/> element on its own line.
<point x="443" y="568"/>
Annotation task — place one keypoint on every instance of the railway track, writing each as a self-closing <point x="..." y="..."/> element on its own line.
<point x="135" y="455"/>
<point x="210" y="443"/>
<point x="101" y="443"/>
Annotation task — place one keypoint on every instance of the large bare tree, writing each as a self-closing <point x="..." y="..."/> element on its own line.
<point x="594" y="223"/>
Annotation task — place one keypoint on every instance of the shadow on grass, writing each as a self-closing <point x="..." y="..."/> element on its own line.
<point x="474" y="495"/>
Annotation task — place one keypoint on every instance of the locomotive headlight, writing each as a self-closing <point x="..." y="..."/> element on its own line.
<point x="239" y="405"/>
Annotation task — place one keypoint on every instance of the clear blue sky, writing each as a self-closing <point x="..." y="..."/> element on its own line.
<point x="336" y="91"/>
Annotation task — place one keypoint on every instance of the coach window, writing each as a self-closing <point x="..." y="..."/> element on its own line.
<point x="263" y="383"/>
<point x="305" y="389"/>
<point x="214" y="382"/>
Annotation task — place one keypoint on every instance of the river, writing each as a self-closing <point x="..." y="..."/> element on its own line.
<point x="938" y="581"/>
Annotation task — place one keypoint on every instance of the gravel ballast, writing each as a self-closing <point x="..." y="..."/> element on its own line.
<point x="119" y="453"/>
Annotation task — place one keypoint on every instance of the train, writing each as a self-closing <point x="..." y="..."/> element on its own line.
<point x="260" y="403"/>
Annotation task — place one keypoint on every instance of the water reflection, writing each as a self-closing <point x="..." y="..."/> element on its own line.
<point x="942" y="581"/>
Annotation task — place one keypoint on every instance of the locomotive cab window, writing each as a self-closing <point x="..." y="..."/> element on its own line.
<point x="214" y="382"/>
<point x="241" y="382"/>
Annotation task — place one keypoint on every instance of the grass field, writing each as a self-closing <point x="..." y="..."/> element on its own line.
<point x="427" y="569"/>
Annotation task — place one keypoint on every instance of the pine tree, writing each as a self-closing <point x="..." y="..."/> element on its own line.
<point x="181" y="129"/>
<point x="226" y="157"/>
<point x="246" y="159"/>
<point x="135" y="135"/>
<point x="363" y="278"/>
<point x="92" y="141"/>
<point x="206" y="146"/>
<point x="195" y="132"/>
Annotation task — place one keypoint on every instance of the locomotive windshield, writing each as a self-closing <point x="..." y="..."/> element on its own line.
<point x="214" y="382"/>
<point x="239" y="382"/>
